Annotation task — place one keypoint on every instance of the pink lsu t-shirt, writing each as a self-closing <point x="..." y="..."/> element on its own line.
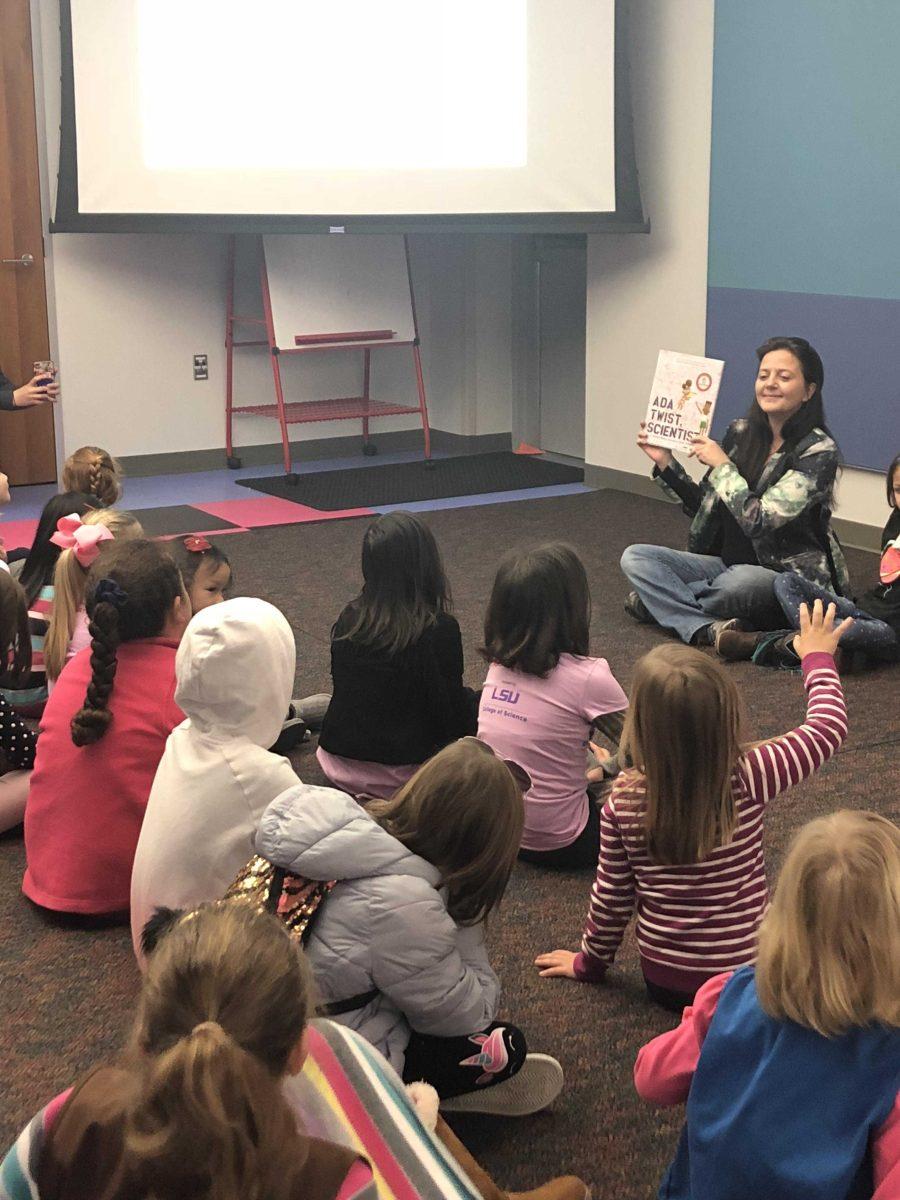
<point x="544" y="725"/>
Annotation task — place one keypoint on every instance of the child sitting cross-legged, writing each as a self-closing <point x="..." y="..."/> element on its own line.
<point x="103" y="732"/>
<point x="543" y="695"/>
<point x="396" y="665"/>
<point x="791" y="1069"/>
<point x="234" y="667"/>
<point x="681" y="835"/>
<point x="398" y="950"/>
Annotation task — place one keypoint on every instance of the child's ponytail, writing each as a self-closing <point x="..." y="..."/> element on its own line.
<point x="92" y="720"/>
<point x="224" y="1004"/>
<point x="206" y="1101"/>
<point x="130" y="594"/>
<point x="81" y="542"/>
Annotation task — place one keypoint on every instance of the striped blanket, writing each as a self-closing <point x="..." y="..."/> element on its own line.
<point x="346" y="1093"/>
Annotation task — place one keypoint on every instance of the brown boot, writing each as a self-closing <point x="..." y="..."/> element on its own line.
<point x="567" y="1187"/>
<point x="736" y="645"/>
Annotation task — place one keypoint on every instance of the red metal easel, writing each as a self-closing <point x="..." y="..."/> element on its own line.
<point x="345" y="408"/>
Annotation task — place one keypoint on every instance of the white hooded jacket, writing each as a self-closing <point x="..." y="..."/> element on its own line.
<point x="235" y="673"/>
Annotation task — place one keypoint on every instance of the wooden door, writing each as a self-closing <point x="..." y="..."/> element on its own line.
<point x="27" y="442"/>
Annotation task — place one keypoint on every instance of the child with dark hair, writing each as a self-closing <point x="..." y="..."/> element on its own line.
<point x="36" y="578"/>
<point x="875" y="636"/>
<point x="103" y="733"/>
<point x="204" y="568"/>
<point x="543" y="695"/>
<point x="396" y="665"/>
<point x="17" y="742"/>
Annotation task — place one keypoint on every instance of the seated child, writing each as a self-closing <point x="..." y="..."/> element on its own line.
<point x="875" y="636"/>
<point x="681" y="835"/>
<point x="398" y="947"/>
<point x="791" y="1070"/>
<point x="543" y="695"/>
<point x="204" y="568"/>
<point x="17" y="742"/>
<point x="103" y="733"/>
<point x="224" y="1058"/>
<point x="94" y="472"/>
<point x="36" y="578"/>
<point x="396" y="665"/>
<point x="81" y="542"/>
<point x="234" y="670"/>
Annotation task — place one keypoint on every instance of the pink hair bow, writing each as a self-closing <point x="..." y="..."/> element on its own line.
<point x="73" y="534"/>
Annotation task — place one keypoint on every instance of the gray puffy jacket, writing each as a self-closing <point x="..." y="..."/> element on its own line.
<point x="385" y="925"/>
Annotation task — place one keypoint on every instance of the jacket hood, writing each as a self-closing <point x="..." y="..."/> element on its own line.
<point x="324" y="834"/>
<point x="235" y="670"/>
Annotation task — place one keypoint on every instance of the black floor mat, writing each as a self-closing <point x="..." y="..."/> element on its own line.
<point x="178" y="518"/>
<point x="403" y="483"/>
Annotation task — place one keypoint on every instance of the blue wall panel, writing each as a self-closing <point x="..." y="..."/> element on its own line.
<point x="804" y="231"/>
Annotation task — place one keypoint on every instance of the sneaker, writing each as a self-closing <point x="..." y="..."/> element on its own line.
<point x="737" y="645"/>
<point x="534" y="1086"/>
<point x="311" y="709"/>
<point x="638" y="610"/>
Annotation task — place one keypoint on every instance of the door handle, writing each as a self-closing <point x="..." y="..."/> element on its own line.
<point x="24" y="260"/>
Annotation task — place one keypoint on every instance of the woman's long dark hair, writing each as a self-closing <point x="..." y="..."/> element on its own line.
<point x="755" y="442"/>
<point x="41" y="561"/>
<point x="404" y="588"/>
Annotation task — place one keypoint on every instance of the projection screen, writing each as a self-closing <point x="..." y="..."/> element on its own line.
<point x="298" y="114"/>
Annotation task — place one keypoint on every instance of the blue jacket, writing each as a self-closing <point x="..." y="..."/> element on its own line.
<point x="778" y="1112"/>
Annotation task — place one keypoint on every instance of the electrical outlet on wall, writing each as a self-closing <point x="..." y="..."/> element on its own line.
<point x="201" y="366"/>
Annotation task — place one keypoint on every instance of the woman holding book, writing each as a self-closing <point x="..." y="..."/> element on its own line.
<point x="763" y="507"/>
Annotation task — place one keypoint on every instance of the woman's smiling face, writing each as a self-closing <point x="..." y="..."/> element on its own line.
<point x="780" y="386"/>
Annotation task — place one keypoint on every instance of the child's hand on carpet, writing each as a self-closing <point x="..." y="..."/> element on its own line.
<point x="557" y="963"/>
<point x="596" y="774"/>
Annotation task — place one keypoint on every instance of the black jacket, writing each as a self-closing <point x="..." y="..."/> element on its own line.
<point x="398" y="709"/>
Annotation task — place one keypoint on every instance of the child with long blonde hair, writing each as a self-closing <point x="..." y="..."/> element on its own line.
<point x="93" y="470"/>
<point x="398" y="951"/>
<point x="791" y="1069"/>
<point x="81" y="540"/>
<point x="681" y="835"/>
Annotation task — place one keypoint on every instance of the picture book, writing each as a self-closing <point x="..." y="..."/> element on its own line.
<point x="682" y="399"/>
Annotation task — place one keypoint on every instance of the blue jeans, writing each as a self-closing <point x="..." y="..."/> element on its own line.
<point x="685" y="592"/>
<point x="869" y="635"/>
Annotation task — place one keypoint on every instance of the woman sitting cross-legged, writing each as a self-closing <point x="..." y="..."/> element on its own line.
<point x="763" y="507"/>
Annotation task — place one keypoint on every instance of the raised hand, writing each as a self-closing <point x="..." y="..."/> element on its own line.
<point x="656" y="454"/>
<point x="818" y="631"/>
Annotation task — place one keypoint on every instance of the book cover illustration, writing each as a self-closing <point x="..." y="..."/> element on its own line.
<point x="682" y="399"/>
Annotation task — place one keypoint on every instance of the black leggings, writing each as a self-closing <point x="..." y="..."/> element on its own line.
<point x="583" y="852"/>
<point x="668" y="998"/>
<point x="456" y="1065"/>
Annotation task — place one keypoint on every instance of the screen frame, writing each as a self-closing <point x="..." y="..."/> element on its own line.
<point x="629" y="216"/>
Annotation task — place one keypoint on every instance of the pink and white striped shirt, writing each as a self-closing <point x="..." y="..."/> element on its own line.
<point x="696" y="920"/>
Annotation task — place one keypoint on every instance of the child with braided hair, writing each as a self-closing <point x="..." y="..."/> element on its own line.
<point x="103" y="733"/>
<point x="93" y="470"/>
<point x="81" y="542"/>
